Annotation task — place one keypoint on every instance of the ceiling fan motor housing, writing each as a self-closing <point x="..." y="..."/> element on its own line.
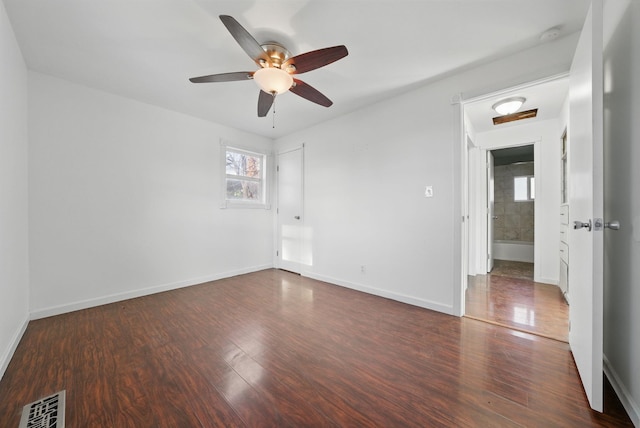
<point x="278" y="54"/>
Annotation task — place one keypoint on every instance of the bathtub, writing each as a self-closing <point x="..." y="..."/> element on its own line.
<point x="517" y="251"/>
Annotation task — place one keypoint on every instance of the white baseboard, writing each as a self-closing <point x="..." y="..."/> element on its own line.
<point x="551" y="281"/>
<point x="632" y="408"/>
<point x="104" y="300"/>
<point x="6" y="357"/>
<point x="415" y="301"/>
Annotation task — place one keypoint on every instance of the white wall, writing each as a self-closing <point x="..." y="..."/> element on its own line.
<point x="622" y="202"/>
<point x="14" y="268"/>
<point x="364" y="198"/>
<point x="125" y="200"/>
<point x="547" y="136"/>
<point x="365" y="175"/>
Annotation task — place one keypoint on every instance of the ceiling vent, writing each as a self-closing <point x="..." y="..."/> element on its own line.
<point x="515" y="116"/>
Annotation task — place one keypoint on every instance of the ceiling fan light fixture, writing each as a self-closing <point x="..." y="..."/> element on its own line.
<point x="508" y="105"/>
<point x="277" y="66"/>
<point x="273" y="80"/>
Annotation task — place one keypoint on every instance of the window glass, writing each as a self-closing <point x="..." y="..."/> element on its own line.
<point x="244" y="177"/>
<point x="520" y="189"/>
<point x="523" y="188"/>
<point x="244" y="164"/>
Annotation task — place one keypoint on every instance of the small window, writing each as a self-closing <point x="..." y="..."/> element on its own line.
<point x="524" y="188"/>
<point x="244" y="178"/>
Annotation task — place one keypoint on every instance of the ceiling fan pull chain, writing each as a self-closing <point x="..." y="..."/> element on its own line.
<point x="273" y="126"/>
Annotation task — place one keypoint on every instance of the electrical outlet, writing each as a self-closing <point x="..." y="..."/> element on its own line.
<point x="428" y="192"/>
<point x="363" y="269"/>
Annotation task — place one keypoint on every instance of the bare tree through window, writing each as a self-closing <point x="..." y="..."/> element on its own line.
<point x="244" y="176"/>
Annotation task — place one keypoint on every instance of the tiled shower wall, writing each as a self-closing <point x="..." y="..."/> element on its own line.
<point x="515" y="220"/>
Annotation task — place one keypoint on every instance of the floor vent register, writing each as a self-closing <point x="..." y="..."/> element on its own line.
<point x="47" y="412"/>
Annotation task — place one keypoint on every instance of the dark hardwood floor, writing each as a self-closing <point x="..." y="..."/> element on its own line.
<point x="508" y="296"/>
<point x="275" y="349"/>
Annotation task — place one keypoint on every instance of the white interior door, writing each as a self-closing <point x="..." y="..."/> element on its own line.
<point x="291" y="252"/>
<point x="490" y="209"/>
<point x="586" y="206"/>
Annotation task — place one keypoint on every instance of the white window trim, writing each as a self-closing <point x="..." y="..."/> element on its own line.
<point x="266" y="175"/>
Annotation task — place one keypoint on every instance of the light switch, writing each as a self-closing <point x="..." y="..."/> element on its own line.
<point x="428" y="192"/>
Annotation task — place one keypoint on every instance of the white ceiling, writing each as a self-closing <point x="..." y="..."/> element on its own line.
<point x="548" y="97"/>
<point x="147" y="49"/>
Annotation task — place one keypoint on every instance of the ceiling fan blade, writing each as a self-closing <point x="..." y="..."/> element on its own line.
<point x="265" y="101"/>
<point x="310" y="93"/>
<point x="315" y="59"/>
<point x="223" y="77"/>
<point x="245" y="40"/>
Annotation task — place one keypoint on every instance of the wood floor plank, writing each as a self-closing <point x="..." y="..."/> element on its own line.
<point x="291" y="366"/>
<point x="508" y="296"/>
<point x="253" y="409"/>
<point x="272" y="348"/>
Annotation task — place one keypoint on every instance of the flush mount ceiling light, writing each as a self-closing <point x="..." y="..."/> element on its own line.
<point x="508" y="105"/>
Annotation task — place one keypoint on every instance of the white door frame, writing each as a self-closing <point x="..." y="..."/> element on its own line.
<point x="481" y="265"/>
<point x="482" y="252"/>
<point x="490" y="199"/>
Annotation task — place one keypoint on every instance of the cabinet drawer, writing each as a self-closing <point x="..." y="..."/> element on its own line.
<point x="564" y="214"/>
<point x="564" y="278"/>
<point x="564" y="233"/>
<point x="564" y="252"/>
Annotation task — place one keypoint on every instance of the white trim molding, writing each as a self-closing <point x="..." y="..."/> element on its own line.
<point x="414" y="301"/>
<point x="632" y="408"/>
<point x="11" y="349"/>
<point x="118" y="297"/>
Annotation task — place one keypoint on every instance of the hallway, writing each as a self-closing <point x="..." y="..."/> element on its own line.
<point x="509" y="297"/>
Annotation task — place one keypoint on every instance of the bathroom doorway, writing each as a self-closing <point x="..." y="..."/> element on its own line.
<point x="513" y="219"/>
<point x="508" y="294"/>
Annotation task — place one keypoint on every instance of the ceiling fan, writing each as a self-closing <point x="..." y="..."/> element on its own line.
<point x="277" y="66"/>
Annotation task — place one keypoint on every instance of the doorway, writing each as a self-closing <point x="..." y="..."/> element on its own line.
<point x="293" y="250"/>
<point x="513" y="242"/>
<point x="508" y="295"/>
<point x="513" y="220"/>
<point x="584" y="101"/>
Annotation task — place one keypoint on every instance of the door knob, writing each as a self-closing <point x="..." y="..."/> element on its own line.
<point x="613" y="225"/>
<point x="297" y="217"/>
<point x="580" y="225"/>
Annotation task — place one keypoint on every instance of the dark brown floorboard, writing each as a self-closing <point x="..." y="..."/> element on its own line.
<point x="273" y="349"/>
<point x="508" y="296"/>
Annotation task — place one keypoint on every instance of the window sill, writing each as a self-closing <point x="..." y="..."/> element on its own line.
<point x="244" y="205"/>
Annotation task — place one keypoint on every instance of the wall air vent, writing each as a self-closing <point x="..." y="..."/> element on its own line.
<point x="515" y="116"/>
<point x="47" y="412"/>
